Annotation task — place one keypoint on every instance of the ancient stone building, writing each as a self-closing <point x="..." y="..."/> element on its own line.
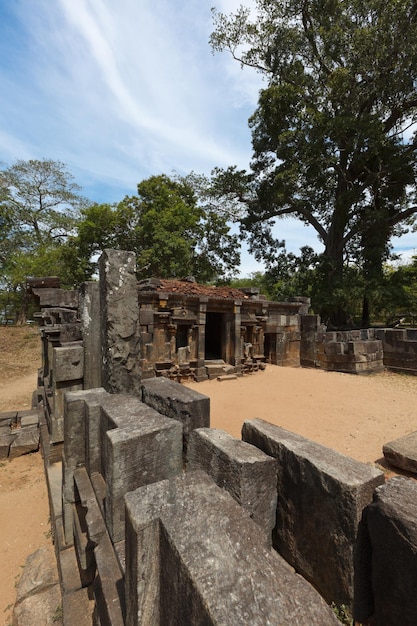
<point x="188" y="329"/>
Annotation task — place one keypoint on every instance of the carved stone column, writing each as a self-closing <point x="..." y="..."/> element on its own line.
<point x="119" y="322"/>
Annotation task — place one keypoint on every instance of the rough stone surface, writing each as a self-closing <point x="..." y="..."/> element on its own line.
<point x="174" y="400"/>
<point x="321" y="497"/>
<point x="247" y="473"/>
<point x="75" y="428"/>
<point x="27" y="440"/>
<point x="392" y="530"/>
<point x="5" y="443"/>
<point x="90" y="322"/>
<point x="194" y="557"/>
<point x="38" y="594"/>
<point x="139" y="446"/>
<point x="402" y="452"/>
<point x="68" y="363"/>
<point x="119" y="322"/>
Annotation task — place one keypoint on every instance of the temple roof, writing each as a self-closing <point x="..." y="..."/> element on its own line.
<point x="189" y="287"/>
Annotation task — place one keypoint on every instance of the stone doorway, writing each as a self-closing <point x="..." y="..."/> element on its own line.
<point x="214" y="348"/>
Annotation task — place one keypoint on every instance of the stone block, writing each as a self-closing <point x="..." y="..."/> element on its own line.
<point x="28" y="418"/>
<point x="68" y="363"/>
<point x="56" y="297"/>
<point x="392" y="528"/>
<point x="146" y="316"/>
<point x="38" y="594"/>
<point x="189" y="407"/>
<point x="5" y="443"/>
<point x="247" y="473"/>
<point x="108" y="585"/>
<point x="56" y="420"/>
<point x="321" y="496"/>
<point x="139" y="446"/>
<point x="193" y="556"/>
<point x="402" y="452"/>
<point x="77" y="432"/>
<point x="77" y="608"/>
<point x="26" y="440"/>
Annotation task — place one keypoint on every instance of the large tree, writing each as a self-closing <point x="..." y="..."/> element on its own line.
<point x="39" y="208"/>
<point x="169" y="224"/>
<point x="333" y="136"/>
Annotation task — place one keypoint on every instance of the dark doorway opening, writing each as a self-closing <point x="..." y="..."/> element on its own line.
<point x="214" y="332"/>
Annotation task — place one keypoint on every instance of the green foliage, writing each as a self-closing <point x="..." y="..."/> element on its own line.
<point x="170" y="226"/>
<point x="343" y="614"/>
<point x="330" y="138"/>
<point x="39" y="208"/>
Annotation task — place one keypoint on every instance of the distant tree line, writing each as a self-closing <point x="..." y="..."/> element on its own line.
<point x="177" y="226"/>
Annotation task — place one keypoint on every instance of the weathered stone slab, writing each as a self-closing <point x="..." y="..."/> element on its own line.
<point x="247" y="473"/>
<point x="139" y="446"/>
<point x="172" y="399"/>
<point x="5" y="443"/>
<point x="90" y="322"/>
<point x="75" y="429"/>
<point x="77" y="433"/>
<point x="56" y="425"/>
<point x="26" y="440"/>
<point x="402" y="452"/>
<point x="68" y="363"/>
<point x="392" y="529"/>
<point x="193" y="556"/>
<point x="28" y="418"/>
<point x="56" y="297"/>
<point x="321" y="496"/>
<point x="119" y="322"/>
<point x="38" y="591"/>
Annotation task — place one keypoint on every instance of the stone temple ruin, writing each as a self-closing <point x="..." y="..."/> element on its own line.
<point x="159" y="519"/>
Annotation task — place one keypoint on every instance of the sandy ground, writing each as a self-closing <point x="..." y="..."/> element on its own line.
<point x="354" y="415"/>
<point x="24" y="509"/>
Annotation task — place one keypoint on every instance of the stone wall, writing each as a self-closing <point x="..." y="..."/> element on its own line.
<point x="400" y="348"/>
<point x="350" y="351"/>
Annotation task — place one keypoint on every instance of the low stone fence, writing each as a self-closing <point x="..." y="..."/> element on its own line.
<point x="400" y="348"/>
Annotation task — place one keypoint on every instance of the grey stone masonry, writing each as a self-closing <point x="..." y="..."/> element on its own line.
<point x="402" y="452"/>
<point x="139" y="446"/>
<point x="392" y="528"/>
<point x="321" y="497"/>
<point x="119" y="322"/>
<point x="174" y="400"/>
<point x="76" y="444"/>
<point x="194" y="557"/>
<point x="68" y="362"/>
<point x="247" y="473"/>
<point x="90" y="322"/>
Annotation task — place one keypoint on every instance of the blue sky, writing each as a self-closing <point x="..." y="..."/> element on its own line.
<point x="120" y="91"/>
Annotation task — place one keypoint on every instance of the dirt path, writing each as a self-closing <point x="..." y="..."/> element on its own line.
<point x="354" y="415"/>
<point x="24" y="509"/>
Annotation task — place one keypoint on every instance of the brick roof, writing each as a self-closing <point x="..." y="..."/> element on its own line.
<point x="189" y="288"/>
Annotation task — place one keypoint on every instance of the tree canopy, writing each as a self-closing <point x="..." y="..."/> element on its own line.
<point x="334" y="141"/>
<point x="39" y="208"/>
<point x="169" y="224"/>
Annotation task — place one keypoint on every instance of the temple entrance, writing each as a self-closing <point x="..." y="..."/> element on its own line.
<point x="214" y="334"/>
